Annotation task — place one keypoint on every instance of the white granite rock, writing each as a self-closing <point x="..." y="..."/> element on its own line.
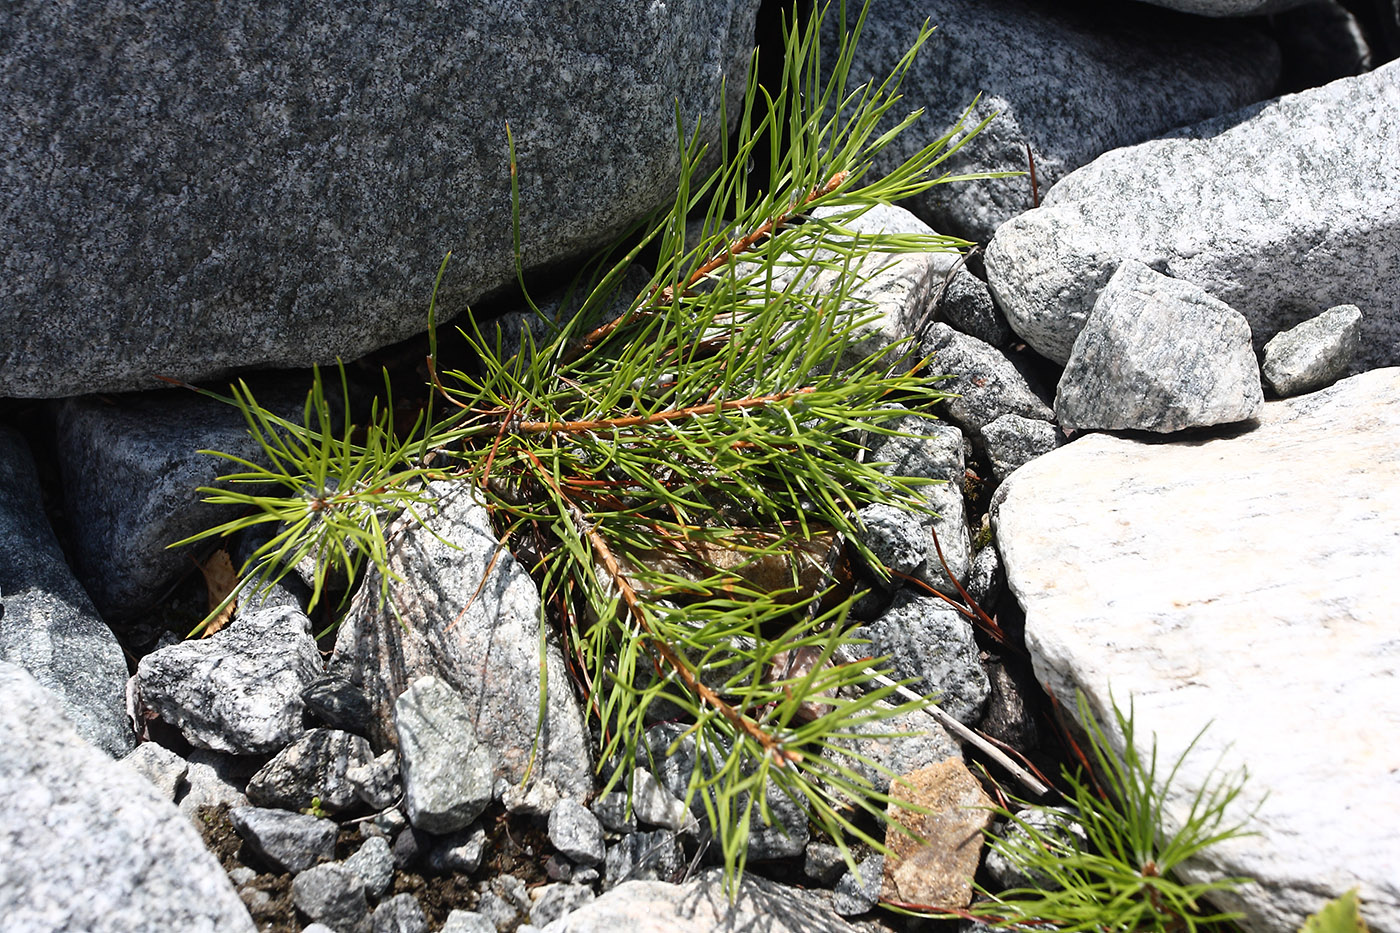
<point x="1274" y="210"/>
<point x="482" y="640"/>
<point x="87" y="843"/>
<point x="1158" y="354"/>
<point x="237" y="691"/>
<point x="1249" y="583"/>
<point x="1314" y="353"/>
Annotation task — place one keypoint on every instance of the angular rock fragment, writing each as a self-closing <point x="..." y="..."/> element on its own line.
<point x="483" y="640"/>
<point x="1315" y="353"/>
<point x="1158" y="354"/>
<point x="313" y="768"/>
<point x="985" y="382"/>
<point x="1269" y="209"/>
<point x="1012" y="441"/>
<point x="932" y="644"/>
<point x="447" y="773"/>
<point x="334" y="895"/>
<point x="237" y="691"/>
<point x="289" y="841"/>
<point x="936" y="865"/>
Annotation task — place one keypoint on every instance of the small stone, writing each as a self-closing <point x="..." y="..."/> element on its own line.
<point x="311" y="770"/>
<point x="334" y="895"/>
<point x="555" y="900"/>
<point x="558" y="868"/>
<point x="1158" y="354"/>
<point x="858" y="891"/>
<point x="936" y="864"/>
<point x="654" y="856"/>
<point x="400" y="914"/>
<point x="823" y="863"/>
<point x="613" y="812"/>
<point x="373" y="862"/>
<point x="460" y="851"/>
<point x="239" y="690"/>
<point x="1059" y="823"/>
<point x="966" y="303"/>
<point x="376" y="782"/>
<point x="467" y="921"/>
<point x="214" y="779"/>
<point x="897" y="537"/>
<point x="447" y="773"/>
<point x="410" y="846"/>
<point x="338" y="703"/>
<point x="1013" y="441"/>
<point x="652" y="804"/>
<point x="934" y="644"/>
<point x="1315" y="353"/>
<point x="587" y="876"/>
<point x="985" y="579"/>
<point x="241" y="874"/>
<point x="576" y="833"/>
<point x="391" y="820"/>
<point x="288" y="841"/>
<point x="985" y="382"/>
<point x="160" y="766"/>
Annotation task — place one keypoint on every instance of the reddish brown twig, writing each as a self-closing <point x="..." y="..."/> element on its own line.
<point x="660" y="417"/>
<point x="781" y="756"/>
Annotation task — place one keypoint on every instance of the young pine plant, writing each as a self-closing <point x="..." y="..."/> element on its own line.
<point x="681" y="477"/>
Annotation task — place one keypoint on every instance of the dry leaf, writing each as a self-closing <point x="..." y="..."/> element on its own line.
<point x="221" y="580"/>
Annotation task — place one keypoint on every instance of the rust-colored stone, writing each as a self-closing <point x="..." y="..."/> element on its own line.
<point x="937" y="867"/>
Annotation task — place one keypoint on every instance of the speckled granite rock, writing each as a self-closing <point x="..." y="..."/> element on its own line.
<point x="1072" y="81"/>
<point x="483" y="641"/>
<point x="70" y="859"/>
<point x="192" y="188"/>
<point x="48" y="626"/>
<point x="1271" y="210"/>
<point x="1246" y="582"/>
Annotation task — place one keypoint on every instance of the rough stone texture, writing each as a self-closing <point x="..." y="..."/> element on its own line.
<point x="702" y="905"/>
<point x="965" y="302"/>
<point x="613" y="811"/>
<point x="377" y="782"/>
<point x="576" y="833"/>
<point x="334" y="895"/>
<point x="897" y="744"/>
<point x="338" y="703"/>
<point x="447" y="772"/>
<point x="374" y="864"/>
<point x="1227" y="7"/>
<point x="130" y="467"/>
<point x="1081" y="81"/>
<point x="1245" y="582"/>
<point x="214" y="779"/>
<point x="48" y="626"/>
<point x="987" y="384"/>
<point x="237" y="691"/>
<point x="1013" y="441"/>
<point x="288" y="841"/>
<point x="823" y="863"/>
<point x="1158" y="354"/>
<point x="311" y="768"/>
<point x="1059" y="823"/>
<point x="1313" y="354"/>
<point x="276" y="187"/>
<point x="643" y="856"/>
<point x="162" y="767"/>
<point x="467" y="921"/>
<point x="1270" y="210"/>
<point x="858" y="891"/>
<point x="934" y="451"/>
<point x="932" y="644"/>
<point x="69" y="859"/>
<point x="400" y="914"/>
<point x="556" y="900"/>
<point x="937" y="866"/>
<point x="653" y="804"/>
<point x="481" y="640"/>
<point x="460" y="851"/>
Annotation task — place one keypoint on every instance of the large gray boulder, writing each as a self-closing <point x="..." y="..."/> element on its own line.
<point x="191" y="188"/>
<point x="48" y="626"/>
<point x="87" y="843"/>
<point x="1228" y="7"/>
<point x="1245" y="582"/>
<point x="1070" y="82"/>
<point x="1281" y="211"/>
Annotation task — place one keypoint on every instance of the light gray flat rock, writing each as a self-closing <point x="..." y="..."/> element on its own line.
<point x="1246" y="582"/>
<point x="1270" y="209"/>
<point x="71" y="859"/>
